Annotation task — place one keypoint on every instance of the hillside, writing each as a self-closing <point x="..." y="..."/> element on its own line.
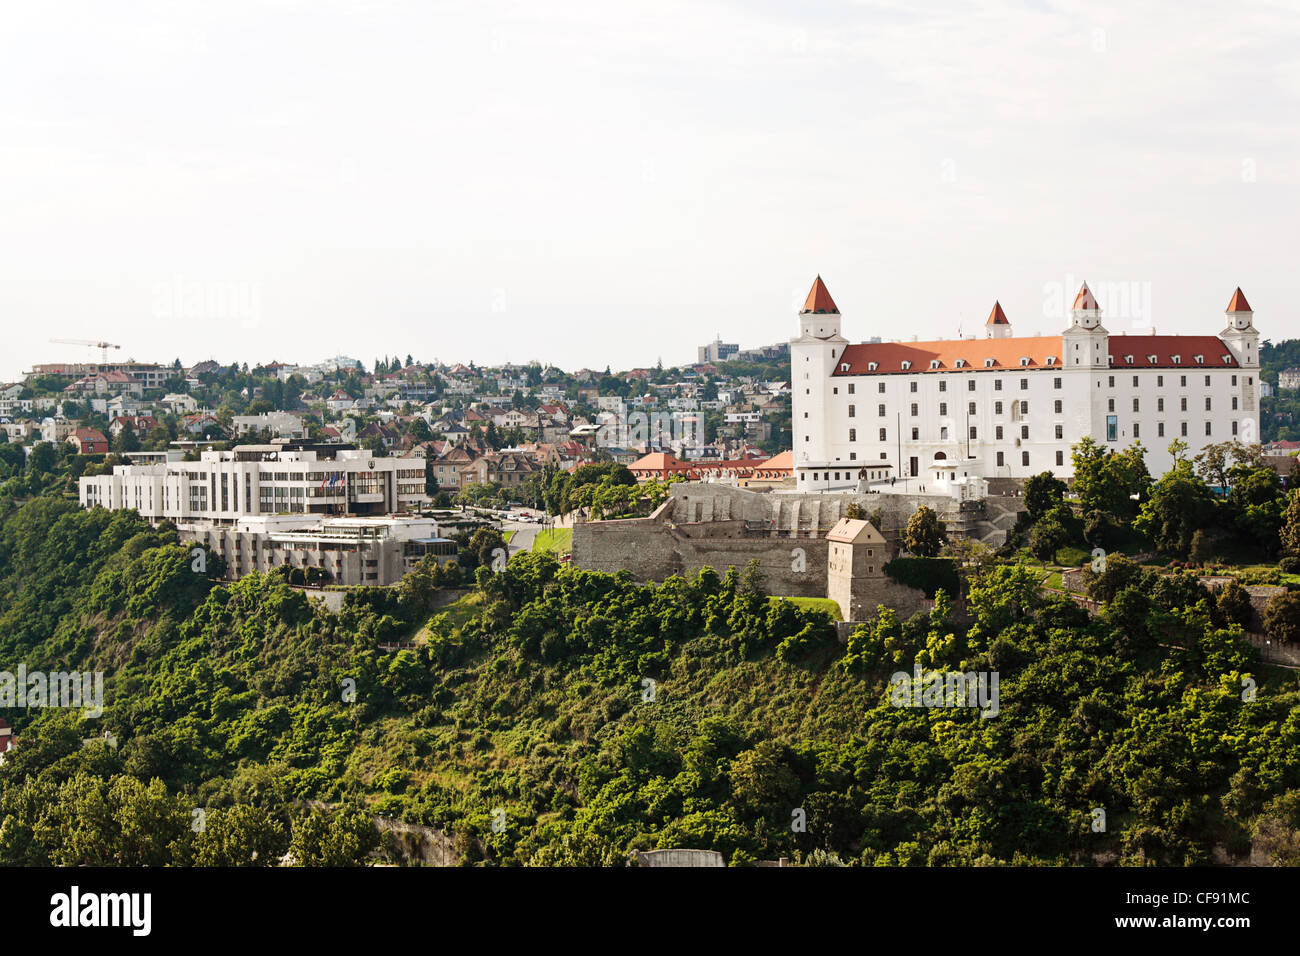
<point x="238" y="701"/>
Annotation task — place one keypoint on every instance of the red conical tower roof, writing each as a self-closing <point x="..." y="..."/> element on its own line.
<point x="1239" y="303"/>
<point x="1085" y="299"/>
<point x="819" y="299"/>
<point x="997" y="316"/>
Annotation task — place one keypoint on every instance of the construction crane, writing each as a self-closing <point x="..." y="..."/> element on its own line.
<point x="102" y="346"/>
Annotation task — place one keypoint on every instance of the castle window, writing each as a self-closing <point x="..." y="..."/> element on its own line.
<point x="852" y="388"/>
<point x="853" y="434"/>
<point x="1024" y="360"/>
<point x="844" y="366"/>
<point x="1024" y="458"/>
<point x="882" y="434"/>
<point x="997" y="408"/>
<point x="853" y="411"/>
<point x="911" y="386"/>
<point x="1051" y="360"/>
<point x="1177" y="359"/>
<point x="943" y="385"/>
<point x="988" y="363"/>
<point x="1128" y="360"/>
<point x="997" y="433"/>
<point x="1060" y="432"/>
<point x="960" y="363"/>
<point x="1001" y="459"/>
<point x="1056" y="407"/>
<point x="1056" y="383"/>
<point x="1152" y="359"/>
<point x="1199" y="359"/>
<point x="880" y="411"/>
<point x="906" y="365"/>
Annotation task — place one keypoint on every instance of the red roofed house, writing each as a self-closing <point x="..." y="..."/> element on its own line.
<point x="1007" y="407"/>
<point x="88" y="441"/>
<point x="7" y="739"/>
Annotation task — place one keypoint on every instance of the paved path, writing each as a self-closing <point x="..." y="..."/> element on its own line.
<point x="524" y="534"/>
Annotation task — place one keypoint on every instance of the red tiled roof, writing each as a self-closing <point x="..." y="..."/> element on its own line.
<point x="1239" y="303"/>
<point x="819" y="298"/>
<point x="663" y="465"/>
<point x="1006" y="353"/>
<point x="997" y="316"/>
<point x="1085" y="299"/>
<point x="1165" y="347"/>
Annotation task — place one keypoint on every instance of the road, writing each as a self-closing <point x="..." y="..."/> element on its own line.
<point x="524" y="533"/>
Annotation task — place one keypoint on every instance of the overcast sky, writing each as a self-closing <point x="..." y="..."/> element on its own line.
<point x="592" y="183"/>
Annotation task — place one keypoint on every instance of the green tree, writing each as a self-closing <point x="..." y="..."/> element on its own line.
<point x="1282" y="616"/>
<point x="1179" y="505"/>
<point x="1043" y="493"/>
<point x="924" y="534"/>
<point x="1047" y="537"/>
<point x="1234" y="604"/>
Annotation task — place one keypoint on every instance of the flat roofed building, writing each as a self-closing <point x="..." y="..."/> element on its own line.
<point x="281" y="478"/>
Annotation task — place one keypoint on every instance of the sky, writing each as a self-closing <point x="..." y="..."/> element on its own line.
<point x="592" y="184"/>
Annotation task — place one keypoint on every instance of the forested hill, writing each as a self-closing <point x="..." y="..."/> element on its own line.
<point x="1280" y="413"/>
<point x="526" y="724"/>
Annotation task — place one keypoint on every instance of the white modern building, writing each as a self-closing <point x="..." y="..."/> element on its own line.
<point x="282" y="478"/>
<point x="344" y="551"/>
<point x="1007" y="407"/>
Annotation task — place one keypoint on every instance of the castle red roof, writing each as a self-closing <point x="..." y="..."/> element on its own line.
<point x="997" y="316"/>
<point x="1007" y="354"/>
<point x="1085" y="299"/>
<point x="1239" y="303"/>
<point x="819" y="298"/>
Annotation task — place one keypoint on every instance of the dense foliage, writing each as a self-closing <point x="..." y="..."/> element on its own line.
<point x="597" y="716"/>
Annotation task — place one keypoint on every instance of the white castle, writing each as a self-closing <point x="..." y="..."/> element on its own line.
<point x="1010" y="407"/>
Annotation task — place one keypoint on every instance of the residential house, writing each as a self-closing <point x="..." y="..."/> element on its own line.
<point x="88" y="441"/>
